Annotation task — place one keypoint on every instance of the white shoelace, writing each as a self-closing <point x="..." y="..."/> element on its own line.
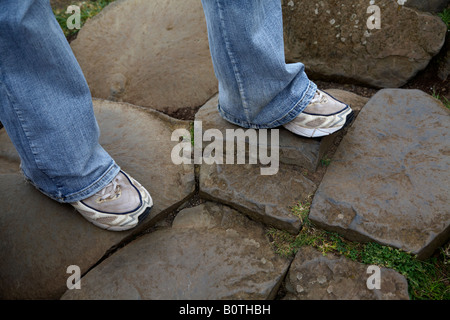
<point x="319" y="97"/>
<point x="109" y="192"/>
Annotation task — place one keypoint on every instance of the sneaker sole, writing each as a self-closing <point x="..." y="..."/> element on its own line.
<point x="317" y="132"/>
<point x="137" y="217"/>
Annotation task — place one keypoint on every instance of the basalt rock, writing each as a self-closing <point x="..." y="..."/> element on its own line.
<point x="148" y="53"/>
<point x="381" y="45"/>
<point x="388" y="181"/>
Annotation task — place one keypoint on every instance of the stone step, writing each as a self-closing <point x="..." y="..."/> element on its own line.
<point x="314" y="276"/>
<point x="389" y="178"/>
<point x="210" y="252"/>
<point x="265" y="198"/>
<point x="40" y="238"/>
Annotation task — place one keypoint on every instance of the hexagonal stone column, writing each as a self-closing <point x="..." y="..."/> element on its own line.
<point x="389" y="179"/>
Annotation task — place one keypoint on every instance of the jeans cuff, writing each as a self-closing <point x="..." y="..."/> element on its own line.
<point x="294" y="110"/>
<point x="299" y="106"/>
<point x="95" y="187"/>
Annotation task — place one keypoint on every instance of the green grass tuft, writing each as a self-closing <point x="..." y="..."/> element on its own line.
<point x="442" y="99"/>
<point x="88" y="9"/>
<point x="445" y="16"/>
<point x="427" y="280"/>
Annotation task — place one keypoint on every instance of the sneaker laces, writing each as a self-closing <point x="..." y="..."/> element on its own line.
<point x="110" y="192"/>
<point x="319" y="97"/>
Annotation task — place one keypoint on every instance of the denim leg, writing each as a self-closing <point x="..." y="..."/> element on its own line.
<point x="257" y="89"/>
<point x="46" y="106"/>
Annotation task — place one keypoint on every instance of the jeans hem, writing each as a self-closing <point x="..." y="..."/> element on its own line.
<point x="293" y="112"/>
<point x="95" y="187"/>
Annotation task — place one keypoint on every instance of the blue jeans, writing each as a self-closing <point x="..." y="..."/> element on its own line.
<point x="257" y="89"/>
<point x="46" y="105"/>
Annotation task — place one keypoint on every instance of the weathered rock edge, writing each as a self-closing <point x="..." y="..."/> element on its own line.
<point x="389" y="178"/>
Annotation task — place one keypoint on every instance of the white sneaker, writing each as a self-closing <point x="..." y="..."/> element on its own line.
<point x="120" y="206"/>
<point x="323" y="116"/>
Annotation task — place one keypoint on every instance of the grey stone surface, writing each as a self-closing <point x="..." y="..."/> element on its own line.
<point x="148" y="53"/>
<point x="333" y="40"/>
<point x="7" y="164"/>
<point x="40" y="238"/>
<point x="428" y="5"/>
<point x="210" y="252"/>
<point x="266" y="198"/>
<point x="387" y="183"/>
<point x="9" y="158"/>
<point x="313" y="276"/>
<point x="389" y="179"/>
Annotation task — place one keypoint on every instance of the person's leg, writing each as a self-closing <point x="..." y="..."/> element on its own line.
<point x="257" y="89"/>
<point x="46" y="106"/>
